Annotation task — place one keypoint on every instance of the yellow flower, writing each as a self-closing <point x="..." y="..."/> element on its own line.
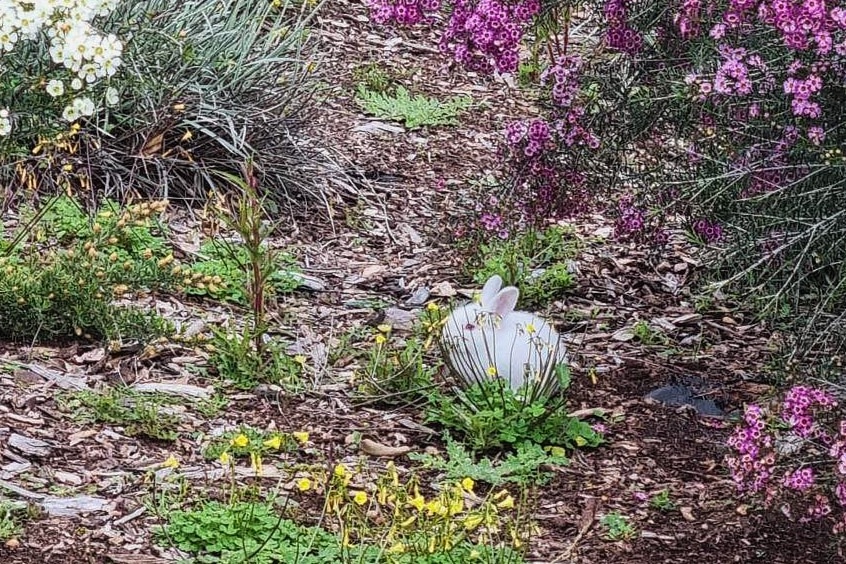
<point x="467" y="484"/>
<point x="557" y="451"/>
<point x="380" y="339"/>
<point x="530" y="328"/>
<point x="171" y="462"/>
<point x="255" y="463"/>
<point x="301" y="436"/>
<point x="435" y="507"/>
<point x="384" y="328"/>
<point x="515" y="539"/>
<point x="392" y="473"/>
<point x="397" y="548"/>
<point x="360" y="498"/>
<point x="225" y="459"/>
<point x="456" y="506"/>
<point x="240" y="441"/>
<point x="273" y="442"/>
<point x="300" y="359"/>
<point x="418" y="502"/>
<point x="432" y="306"/>
<point x="472" y="521"/>
<point x="340" y="470"/>
<point x="491" y="371"/>
<point x="304" y="484"/>
<point x="506" y="503"/>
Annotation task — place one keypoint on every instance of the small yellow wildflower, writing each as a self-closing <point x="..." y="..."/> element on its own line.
<point x="171" y="462"/>
<point x="397" y="548"/>
<point x="304" y="484"/>
<point x="432" y="306"/>
<point x="392" y="473"/>
<point x="557" y="451"/>
<point x="273" y="442"/>
<point x="530" y="328"/>
<point x="225" y="459"/>
<point x="467" y="484"/>
<point x="380" y="339"/>
<point x="418" y="502"/>
<point x="384" y="328"/>
<point x="255" y="463"/>
<point x="506" y="503"/>
<point x="491" y="371"/>
<point x="240" y="440"/>
<point x="300" y="359"/>
<point x="472" y="521"/>
<point x="301" y="436"/>
<point x="360" y="498"/>
<point x="340" y="470"/>
<point x="456" y="505"/>
<point x="435" y="507"/>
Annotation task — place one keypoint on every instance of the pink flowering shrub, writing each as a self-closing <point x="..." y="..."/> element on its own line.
<point x="794" y="456"/>
<point x="735" y="104"/>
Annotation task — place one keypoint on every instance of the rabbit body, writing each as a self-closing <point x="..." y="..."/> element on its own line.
<point x="489" y="339"/>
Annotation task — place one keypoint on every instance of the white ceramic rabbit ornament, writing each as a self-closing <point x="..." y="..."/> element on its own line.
<point x="487" y="339"/>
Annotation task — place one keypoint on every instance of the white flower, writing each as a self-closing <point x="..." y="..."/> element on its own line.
<point x="5" y="123"/>
<point x="89" y="73"/>
<point x="55" y="88"/>
<point x="70" y="113"/>
<point x="85" y="106"/>
<point x="112" y="97"/>
<point x="76" y="84"/>
<point x="8" y="38"/>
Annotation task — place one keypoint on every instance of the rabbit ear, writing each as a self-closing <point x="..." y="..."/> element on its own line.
<point x="490" y="289"/>
<point x="505" y="301"/>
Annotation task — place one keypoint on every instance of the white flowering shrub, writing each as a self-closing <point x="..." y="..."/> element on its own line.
<point x="198" y="87"/>
<point x="74" y="63"/>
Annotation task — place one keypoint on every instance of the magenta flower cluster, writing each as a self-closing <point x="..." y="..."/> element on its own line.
<point x="799" y="404"/>
<point x="619" y="35"/>
<point x="709" y="231"/>
<point x="752" y="464"/>
<point x="630" y="219"/>
<point x="687" y="19"/>
<point x="802" y="91"/>
<point x="566" y="75"/>
<point x="544" y="187"/>
<point x="491" y="218"/>
<point x="809" y="479"/>
<point x="403" y="12"/>
<point x="485" y="35"/>
<point x="799" y="480"/>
